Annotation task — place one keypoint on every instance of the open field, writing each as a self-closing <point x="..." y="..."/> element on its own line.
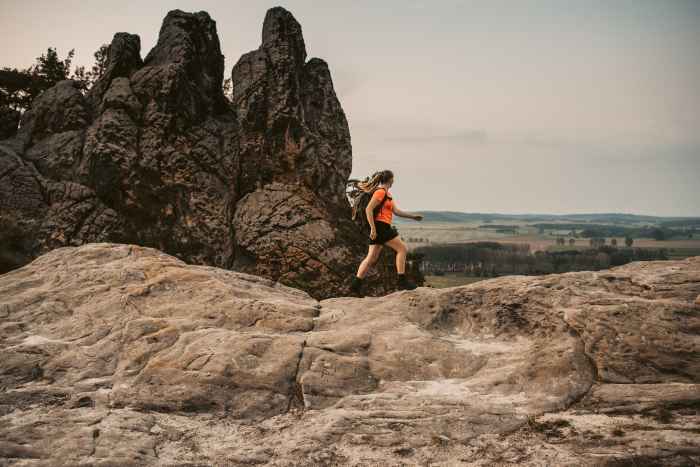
<point x="437" y="232"/>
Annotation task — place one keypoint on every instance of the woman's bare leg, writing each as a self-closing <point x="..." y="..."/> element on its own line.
<point x="370" y="259"/>
<point x="401" y="249"/>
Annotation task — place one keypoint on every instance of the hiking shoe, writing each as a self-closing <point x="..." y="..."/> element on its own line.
<point x="356" y="286"/>
<point x="405" y="284"/>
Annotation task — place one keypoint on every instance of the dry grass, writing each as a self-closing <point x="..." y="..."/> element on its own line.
<point x="469" y="232"/>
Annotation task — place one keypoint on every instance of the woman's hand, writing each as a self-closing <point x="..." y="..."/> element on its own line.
<point x="418" y="217"/>
<point x="373" y="233"/>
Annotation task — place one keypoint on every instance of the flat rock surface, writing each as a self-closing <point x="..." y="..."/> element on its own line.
<point x="115" y="354"/>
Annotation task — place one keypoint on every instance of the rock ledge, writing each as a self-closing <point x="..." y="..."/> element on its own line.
<point x="120" y="354"/>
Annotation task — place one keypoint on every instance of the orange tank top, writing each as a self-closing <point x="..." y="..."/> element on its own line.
<point x="386" y="212"/>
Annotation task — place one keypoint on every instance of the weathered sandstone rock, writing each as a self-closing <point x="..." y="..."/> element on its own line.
<point x="155" y="155"/>
<point x="120" y="354"/>
<point x="9" y="120"/>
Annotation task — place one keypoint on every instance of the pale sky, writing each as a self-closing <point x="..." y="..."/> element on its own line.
<point x="490" y="106"/>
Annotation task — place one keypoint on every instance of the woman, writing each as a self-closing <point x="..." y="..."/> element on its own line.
<point x="381" y="230"/>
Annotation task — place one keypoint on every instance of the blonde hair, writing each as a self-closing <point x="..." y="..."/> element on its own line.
<point x="368" y="185"/>
<point x="375" y="180"/>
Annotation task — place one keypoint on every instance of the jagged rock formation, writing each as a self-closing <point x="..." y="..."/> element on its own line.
<point x="9" y="119"/>
<point x="118" y="354"/>
<point x="155" y="155"/>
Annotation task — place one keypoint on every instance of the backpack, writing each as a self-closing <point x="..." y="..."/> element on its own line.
<point x="360" y="200"/>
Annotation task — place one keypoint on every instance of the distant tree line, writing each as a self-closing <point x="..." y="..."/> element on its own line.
<point x="417" y="240"/>
<point x="687" y="223"/>
<point x="488" y="259"/>
<point x="498" y="226"/>
<point x="501" y="228"/>
<point x="657" y="233"/>
<point x="601" y="230"/>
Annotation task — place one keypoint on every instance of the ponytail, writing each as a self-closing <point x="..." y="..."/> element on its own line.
<point x="368" y="185"/>
<point x="375" y="180"/>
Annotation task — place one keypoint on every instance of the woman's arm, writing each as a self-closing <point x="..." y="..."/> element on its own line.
<point x="369" y="212"/>
<point x="400" y="213"/>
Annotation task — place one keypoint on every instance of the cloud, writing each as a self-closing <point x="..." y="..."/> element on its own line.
<point x="346" y="82"/>
<point x="417" y="133"/>
<point x="466" y="136"/>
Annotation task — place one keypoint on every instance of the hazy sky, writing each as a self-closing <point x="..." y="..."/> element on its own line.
<point x="490" y="106"/>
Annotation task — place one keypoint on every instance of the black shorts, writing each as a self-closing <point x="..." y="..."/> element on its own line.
<point x="385" y="232"/>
